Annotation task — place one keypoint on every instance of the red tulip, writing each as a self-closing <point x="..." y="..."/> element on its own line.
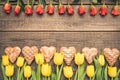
<point x="50" y="9"/>
<point x="61" y="9"/>
<point x="103" y="10"/>
<point x="28" y="10"/>
<point x="7" y="8"/>
<point x="40" y="9"/>
<point x="70" y="10"/>
<point x="93" y="10"/>
<point x="17" y="10"/>
<point x="81" y="10"/>
<point x="115" y="11"/>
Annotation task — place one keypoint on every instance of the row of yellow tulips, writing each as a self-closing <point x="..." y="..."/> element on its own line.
<point x="100" y="70"/>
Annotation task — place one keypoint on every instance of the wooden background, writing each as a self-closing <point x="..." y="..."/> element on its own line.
<point x="55" y="30"/>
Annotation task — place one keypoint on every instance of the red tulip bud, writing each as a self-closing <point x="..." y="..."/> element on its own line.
<point x="81" y="10"/>
<point x="103" y="10"/>
<point x="17" y="10"/>
<point x="115" y="11"/>
<point x="40" y="9"/>
<point x="50" y="9"/>
<point x="70" y="10"/>
<point x="61" y="9"/>
<point x="93" y="10"/>
<point x="7" y="8"/>
<point x="28" y="10"/>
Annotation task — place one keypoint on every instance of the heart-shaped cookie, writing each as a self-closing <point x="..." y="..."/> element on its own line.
<point x="29" y="53"/>
<point x="68" y="54"/>
<point x="90" y="53"/>
<point x="111" y="55"/>
<point x="48" y="52"/>
<point x="13" y="53"/>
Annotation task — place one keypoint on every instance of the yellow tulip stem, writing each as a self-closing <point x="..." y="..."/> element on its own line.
<point x="78" y="72"/>
<point x="27" y="78"/>
<point x="9" y="78"/>
<point x="18" y="77"/>
<point x="112" y="78"/>
<point x="45" y="78"/>
<point x="68" y="78"/>
<point x="57" y="70"/>
<point x="90" y="78"/>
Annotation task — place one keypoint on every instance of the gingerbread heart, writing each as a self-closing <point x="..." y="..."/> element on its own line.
<point x="48" y="52"/>
<point x="111" y="55"/>
<point x="68" y="54"/>
<point x="29" y="53"/>
<point x="89" y="53"/>
<point x="13" y="53"/>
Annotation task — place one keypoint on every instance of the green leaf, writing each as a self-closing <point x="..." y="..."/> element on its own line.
<point x="76" y="1"/>
<point x="33" y="75"/>
<point x="97" y="64"/>
<point x="82" y="71"/>
<point x="53" y="76"/>
<point x="99" y="74"/>
<point x="22" y="5"/>
<point x="56" y="0"/>
<point x="43" y="2"/>
<point x="3" y="72"/>
<point x="105" y="73"/>
<point x="82" y="78"/>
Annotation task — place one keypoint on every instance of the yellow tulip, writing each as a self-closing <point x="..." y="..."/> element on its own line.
<point x="90" y="71"/>
<point x="5" y="60"/>
<point x="58" y="58"/>
<point x="79" y="59"/>
<point x="112" y="71"/>
<point x="20" y="61"/>
<point x="68" y="72"/>
<point x="101" y="60"/>
<point x="27" y="71"/>
<point x="46" y="70"/>
<point x="9" y="70"/>
<point x="39" y="57"/>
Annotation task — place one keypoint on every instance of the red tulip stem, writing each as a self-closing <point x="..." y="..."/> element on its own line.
<point x="8" y="1"/>
<point x="18" y="1"/>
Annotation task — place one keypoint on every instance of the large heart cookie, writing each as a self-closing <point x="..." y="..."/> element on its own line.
<point x="90" y="53"/>
<point x="29" y="53"/>
<point x="68" y="54"/>
<point x="48" y="52"/>
<point x="111" y="55"/>
<point x="13" y="53"/>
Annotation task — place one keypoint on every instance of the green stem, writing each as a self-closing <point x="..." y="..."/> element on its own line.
<point x="112" y="78"/>
<point x="78" y="72"/>
<point x="45" y="78"/>
<point x="48" y="78"/>
<point x="18" y="76"/>
<point x="68" y="78"/>
<point x="57" y="70"/>
<point x="9" y="78"/>
<point x="27" y="78"/>
<point x="28" y="2"/>
<point x="18" y="2"/>
<point x="39" y="2"/>
<point x="8" y="1"/>
<point x="60" y="71"/>
<point x="90" y="78"/>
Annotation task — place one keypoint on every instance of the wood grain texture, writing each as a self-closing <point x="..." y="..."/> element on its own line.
<point x="79" y="40"/>
<point x="56" y="22"/>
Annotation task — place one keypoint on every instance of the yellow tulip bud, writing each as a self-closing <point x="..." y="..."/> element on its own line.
<point x="58" y="58"/>
<point x="39" y="57"/>
<point x="68" y="72"/>
<point x="90" y="71"/>
<point x="112" y="71"/>
<point x="101" y="60"/>
<point x="79" y="59"/>
<point x="20" y="61"/>
<point x="46" y="70"/>
<point x="5" y="60"/>
<point x="9" y="70"/>
<point x="27" y="71"/>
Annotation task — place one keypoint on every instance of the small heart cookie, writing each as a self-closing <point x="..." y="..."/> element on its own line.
<point x="111" y="55"/>
<point x="13" y="53"/>
<point x="48" y="52"/>
<point x="68" y="54"/>
<point x="29" y="53"/>
<point x="90" y="53"/>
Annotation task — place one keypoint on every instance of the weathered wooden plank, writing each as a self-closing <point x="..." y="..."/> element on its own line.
<point x="59" y="39"/>
<point x="59" y="23"/>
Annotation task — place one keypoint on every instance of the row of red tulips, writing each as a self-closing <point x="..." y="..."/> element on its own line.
<point x="50" y="9"/>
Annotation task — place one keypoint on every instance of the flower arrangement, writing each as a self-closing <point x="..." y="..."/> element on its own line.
<point x="96" y="67"/>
